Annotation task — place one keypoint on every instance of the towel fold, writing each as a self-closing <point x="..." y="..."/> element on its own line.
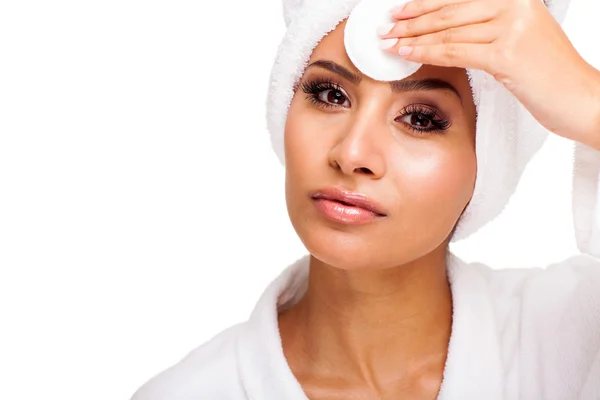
<point x="507" y="136"/>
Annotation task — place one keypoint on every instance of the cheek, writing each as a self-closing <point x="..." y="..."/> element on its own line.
<point x="300" y="145"/>
<point x="308" y="139"/>
<point x="441" y="181"/>
<point x="295" y="146"/>
<point x="294" y="137"/>
<point x="308" y="132"/>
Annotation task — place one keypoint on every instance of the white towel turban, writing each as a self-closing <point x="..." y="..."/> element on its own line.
<point x="507" y="136"/>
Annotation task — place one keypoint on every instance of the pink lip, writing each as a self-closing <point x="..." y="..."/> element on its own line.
<point x="347" y="207"/>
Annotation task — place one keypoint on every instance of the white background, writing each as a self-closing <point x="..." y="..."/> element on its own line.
<point x="141" y="206"/>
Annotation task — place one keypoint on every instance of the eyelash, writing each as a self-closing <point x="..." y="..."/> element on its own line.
<point x="314" y="88"/>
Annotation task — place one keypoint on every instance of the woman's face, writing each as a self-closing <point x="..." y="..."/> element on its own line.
<point x="411" y="149"/>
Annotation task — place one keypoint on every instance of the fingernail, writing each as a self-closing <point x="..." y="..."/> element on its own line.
<point x="388" y="43"/>
<point x="385" y="28"/>
<point x="405" y="50"/>
<point x="397" y="10"/>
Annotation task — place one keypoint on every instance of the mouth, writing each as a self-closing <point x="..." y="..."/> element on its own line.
<point x="347" y="207"/>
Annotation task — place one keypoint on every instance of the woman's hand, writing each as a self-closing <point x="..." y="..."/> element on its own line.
<point x="520" y="44"/>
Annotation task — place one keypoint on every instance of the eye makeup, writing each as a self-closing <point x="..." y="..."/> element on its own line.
<point x="420" y="118"/>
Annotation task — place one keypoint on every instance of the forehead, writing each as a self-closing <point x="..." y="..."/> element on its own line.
<point x="331" y="47"/>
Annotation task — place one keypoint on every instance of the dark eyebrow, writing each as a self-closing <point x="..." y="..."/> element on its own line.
<point x="397" y="86"/>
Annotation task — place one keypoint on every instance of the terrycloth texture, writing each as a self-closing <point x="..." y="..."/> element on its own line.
<point x="527" y="334"/>
<point x="586" y="168"/>
<point x="586" y="199"/>
<point x="507" y="135"/>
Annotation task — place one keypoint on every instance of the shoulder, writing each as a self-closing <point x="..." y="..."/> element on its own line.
<point x="577" y="276"/>
<point x="207" y="372"/>
<point x="566" y="296"/>
<point x="548" y="324"/>
<point x="562" y="290"/>
<point x="549" y="306"/>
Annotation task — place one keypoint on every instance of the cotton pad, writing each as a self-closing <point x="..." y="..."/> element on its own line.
<point x="363" y="43"/>
<point x="507" y="135"/>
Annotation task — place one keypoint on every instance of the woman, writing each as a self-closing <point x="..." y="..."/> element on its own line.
<point x="377" y="176"/>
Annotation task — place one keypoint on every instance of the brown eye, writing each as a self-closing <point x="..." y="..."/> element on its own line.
<point x="420" y="120"/>
<point x="325" y="94"/>
<point x="333" y="96"/>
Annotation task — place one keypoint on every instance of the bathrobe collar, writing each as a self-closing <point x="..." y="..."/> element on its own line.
<point x="473" y="368"/>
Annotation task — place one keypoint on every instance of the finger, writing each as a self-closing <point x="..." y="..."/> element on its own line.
<point x="415" y="8"/>
<point x="486" y="32"/>
<point x="454" y="15"/>
<point x="462" y="55"/>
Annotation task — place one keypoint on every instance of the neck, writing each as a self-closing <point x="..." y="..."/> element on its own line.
<point x="371" y="325"/>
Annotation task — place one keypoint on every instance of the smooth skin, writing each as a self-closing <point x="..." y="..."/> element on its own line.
<point x="375" y="322"/>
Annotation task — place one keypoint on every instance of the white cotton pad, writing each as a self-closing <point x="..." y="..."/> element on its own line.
<point x="362" y="42"/>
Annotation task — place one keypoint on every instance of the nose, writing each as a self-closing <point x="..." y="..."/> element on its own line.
<point x="360" y="147"/>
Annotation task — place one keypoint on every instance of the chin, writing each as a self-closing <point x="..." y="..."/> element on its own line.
<point x="341" y="249"/>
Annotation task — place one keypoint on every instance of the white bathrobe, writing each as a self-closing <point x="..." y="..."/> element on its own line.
<point x="523" y="334"/>
<point x="517" y="334"/>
